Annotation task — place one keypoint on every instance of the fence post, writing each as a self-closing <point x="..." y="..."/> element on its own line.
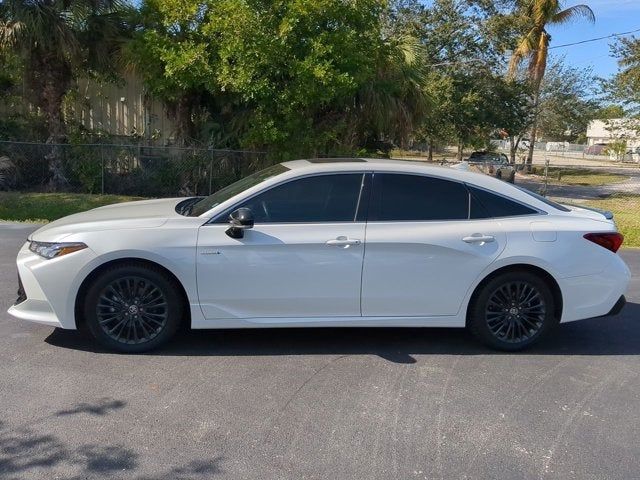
<point x="546" y="175"/>
<point x="210" y="170"/>
<point x="102" y="169"/>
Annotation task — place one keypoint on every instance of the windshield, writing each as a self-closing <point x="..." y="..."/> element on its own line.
<point x="234" y="189"/>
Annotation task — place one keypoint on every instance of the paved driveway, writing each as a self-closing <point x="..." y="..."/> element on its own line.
<point x="319" y="404"/>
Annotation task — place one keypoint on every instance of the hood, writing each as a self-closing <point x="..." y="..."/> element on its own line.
<point x="140" y="214"/>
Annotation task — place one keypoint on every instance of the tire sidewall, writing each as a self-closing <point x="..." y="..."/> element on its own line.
<point x="477" y="322"/>
<point x="156" y="276"/>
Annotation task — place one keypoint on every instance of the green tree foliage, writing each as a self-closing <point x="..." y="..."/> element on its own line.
<point x="297" y="64"/>
<point x="173" y="56"/>
<point x="293" y="77"/>
<point x="624" y="88"/>
<point x="470" y="99"/>
<point x="609" y="111"/>
<point x="56" y="41"/>
<point x="297" y="77"/>
<point x="567" y="103"/>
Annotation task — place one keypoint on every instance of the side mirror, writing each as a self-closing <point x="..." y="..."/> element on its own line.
<point x="239" y="221"/>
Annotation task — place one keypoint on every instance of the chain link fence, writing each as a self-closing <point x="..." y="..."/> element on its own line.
<point x="603" y="182"/>
<point x="123" y="169"/>
<point x="572" y="152"/>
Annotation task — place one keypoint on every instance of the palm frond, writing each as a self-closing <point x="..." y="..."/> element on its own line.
<point x="525" y="48"/>
<point x="574" y="13"/>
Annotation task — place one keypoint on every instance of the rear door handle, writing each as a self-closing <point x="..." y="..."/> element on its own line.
<point x="343" y="242"/>
<point x="479" y="239"/>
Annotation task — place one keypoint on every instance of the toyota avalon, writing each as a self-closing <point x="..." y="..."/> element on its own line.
<point x="327" y="243"/>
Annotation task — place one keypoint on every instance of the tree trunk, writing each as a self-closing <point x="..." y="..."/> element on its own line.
<point x="532" y="142"/>
<point x="513" y="150"/>
<point x="460" y="149"/>
<point x="182" y="112"/>
<point x="430" y="151"/>
<point x="534" y="125"/>
<point x="54" y="82"/>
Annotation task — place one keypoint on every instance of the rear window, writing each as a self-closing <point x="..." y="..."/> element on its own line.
<point x="545" y="200"/>
<point x="485" y="204"/>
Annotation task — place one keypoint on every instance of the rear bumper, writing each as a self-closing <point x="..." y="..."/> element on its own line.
<point x="589" y="296"/>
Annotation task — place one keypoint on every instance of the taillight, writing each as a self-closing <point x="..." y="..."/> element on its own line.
<point x="610" y="241"/>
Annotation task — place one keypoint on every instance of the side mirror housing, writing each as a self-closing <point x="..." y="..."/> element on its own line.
<point x="239" y="221"/>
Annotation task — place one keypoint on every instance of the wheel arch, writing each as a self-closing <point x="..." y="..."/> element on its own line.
<point x="541" y="272"/>
<point x="82" y="290"/>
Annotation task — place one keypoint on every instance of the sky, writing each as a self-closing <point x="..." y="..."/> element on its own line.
<point x="612" y="16"/>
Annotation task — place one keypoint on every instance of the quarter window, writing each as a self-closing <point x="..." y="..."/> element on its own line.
<point x="487" y="205"/>
<point x="322" y="198"/>
<point x="399" y="197"/>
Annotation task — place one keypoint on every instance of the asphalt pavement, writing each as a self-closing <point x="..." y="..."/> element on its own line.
<point x="319" y="403"/>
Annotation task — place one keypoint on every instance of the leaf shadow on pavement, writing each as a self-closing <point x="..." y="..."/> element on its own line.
<point x="26" y="453"/>
<point x="597" y="336"/>
<point x="101" y="408"/>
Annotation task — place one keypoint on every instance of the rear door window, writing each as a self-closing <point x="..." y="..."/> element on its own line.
<point x="405" y="197"/>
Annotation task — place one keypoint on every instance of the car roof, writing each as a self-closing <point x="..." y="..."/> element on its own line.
<point x="301" y="168"/>
<point x="309" y="166"/>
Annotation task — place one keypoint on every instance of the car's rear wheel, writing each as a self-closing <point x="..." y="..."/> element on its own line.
<point x="512" y="311"/>
<point x="133" y="308"/>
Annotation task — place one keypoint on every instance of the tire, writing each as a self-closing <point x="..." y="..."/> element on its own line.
<point x="512" y="311"/>
<point x="133" y="308"/>
<point x="512" y="179"/>
<point x="499" y="175"/>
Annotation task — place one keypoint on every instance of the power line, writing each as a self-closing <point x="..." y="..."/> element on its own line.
<point x="595" y="39"/>
<point x="613" y="35"/>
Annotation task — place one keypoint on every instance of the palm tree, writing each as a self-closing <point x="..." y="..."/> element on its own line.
<point x="534" y="45"/>
<point x="57" y="41"/>
<point x="393" y="102"/>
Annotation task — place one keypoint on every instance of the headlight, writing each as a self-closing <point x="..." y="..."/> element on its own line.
<point x="50" y="250"/>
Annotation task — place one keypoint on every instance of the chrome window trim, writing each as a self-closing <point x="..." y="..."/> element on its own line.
<point x="492" y="192"/>
<point x="215" y="219"/>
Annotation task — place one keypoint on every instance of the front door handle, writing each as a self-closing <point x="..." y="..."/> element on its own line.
<point x="342" y="241"/>
<point x="479" y="238"/>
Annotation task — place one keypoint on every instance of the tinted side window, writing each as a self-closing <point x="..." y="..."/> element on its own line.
<point x="414" y="197"/>
<point x="323" y="198"/>
<point x="487" y="205"/>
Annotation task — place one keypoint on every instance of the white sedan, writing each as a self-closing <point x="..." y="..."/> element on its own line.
<point x="327" y="243"/>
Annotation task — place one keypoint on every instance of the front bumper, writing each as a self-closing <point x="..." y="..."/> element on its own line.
<point x="617" y="308"/>
<point x="50" y="287"/>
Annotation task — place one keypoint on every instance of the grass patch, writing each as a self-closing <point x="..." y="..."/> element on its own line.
<point x="625" y="210"/>
<point x="45" y="207"/>
<point x="579" y="176"/>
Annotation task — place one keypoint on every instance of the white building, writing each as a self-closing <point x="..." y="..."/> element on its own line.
<point x="614" y="129"/>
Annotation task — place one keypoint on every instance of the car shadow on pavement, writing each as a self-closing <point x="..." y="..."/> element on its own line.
<point x="597" y="336"/>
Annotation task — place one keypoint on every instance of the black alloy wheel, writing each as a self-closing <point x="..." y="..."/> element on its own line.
<point x="515" y="312"/>
<point x="512" y="311"/>
<point x="133" y="307"/>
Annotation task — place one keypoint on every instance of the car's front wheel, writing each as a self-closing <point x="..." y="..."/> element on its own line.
<point x="133" y="307"/>
<point x="512" y="311"/>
